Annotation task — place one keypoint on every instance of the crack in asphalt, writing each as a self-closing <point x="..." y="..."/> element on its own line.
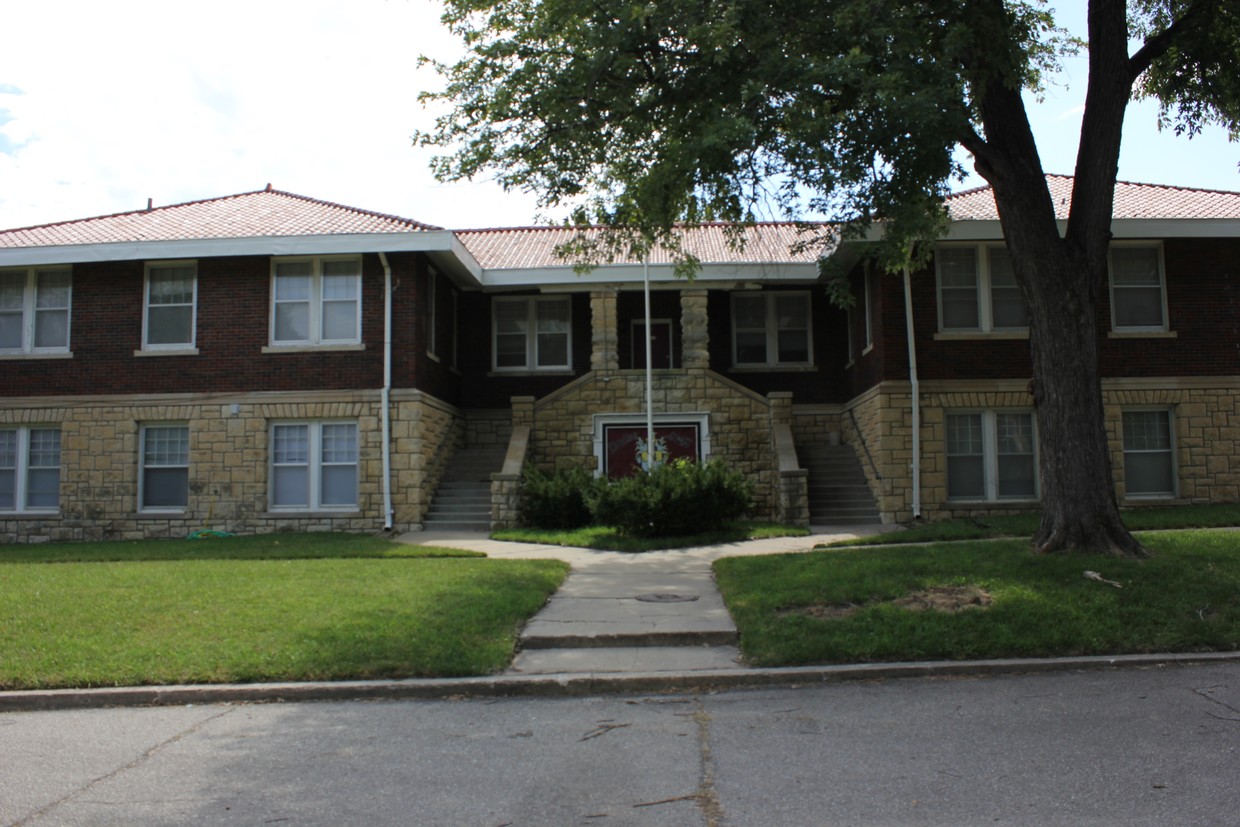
<point x="145" y="756"/>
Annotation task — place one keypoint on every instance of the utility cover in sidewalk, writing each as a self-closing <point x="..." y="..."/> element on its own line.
<point x="666" y="598"/>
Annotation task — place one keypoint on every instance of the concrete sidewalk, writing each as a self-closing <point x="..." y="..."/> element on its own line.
<point x="648" y="613"/>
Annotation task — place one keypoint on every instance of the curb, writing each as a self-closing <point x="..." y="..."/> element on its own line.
<point x="572" y="685"/>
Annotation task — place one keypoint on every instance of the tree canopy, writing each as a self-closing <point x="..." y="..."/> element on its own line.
<point x="643" y="114"/>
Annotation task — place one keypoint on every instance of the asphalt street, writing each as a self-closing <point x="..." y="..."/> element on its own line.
<point x="1132" y="746"/>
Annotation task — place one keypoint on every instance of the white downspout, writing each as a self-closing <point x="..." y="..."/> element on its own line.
<point x="649" y="370"/>
<point x="912" y="375"/>
<point x="385" y="395"/>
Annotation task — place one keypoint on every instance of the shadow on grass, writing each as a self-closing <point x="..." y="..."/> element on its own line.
<point x="606" y="538"/>
<point x="311" y="546"/>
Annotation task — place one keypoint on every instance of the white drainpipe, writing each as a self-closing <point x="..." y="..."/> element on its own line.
<point x="912" y="375"/>
<point x="385" y="395"/>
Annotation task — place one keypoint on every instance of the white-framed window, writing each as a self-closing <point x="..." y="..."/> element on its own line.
<point x="1138" y="288"/>
<point x="316" y="301"/>
<point x="163" y="482"/>
<point x="314" y="466"/>
<point x="531" y="333"/>
<point x="977" y="290"/>
<point x="771" y="328"/>
<point x="29" y="469"/>
<point x="169" y="305"/>
<point x="991" y="455"/>
<point x="1149" y="453"/>
<point x="34" y="310"/>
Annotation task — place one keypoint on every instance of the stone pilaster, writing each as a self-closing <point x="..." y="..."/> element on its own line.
<point x="604" y="352"/>
<point x="694" y="334"/>
<point x="522" y="411"/>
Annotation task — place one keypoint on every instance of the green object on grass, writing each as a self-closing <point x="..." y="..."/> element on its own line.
<point x="204" y="533"/>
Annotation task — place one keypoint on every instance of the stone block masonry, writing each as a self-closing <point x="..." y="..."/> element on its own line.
<point x="739" y="421"/>
<point x="1205" y="420"/>
<point x="229" y="462"/>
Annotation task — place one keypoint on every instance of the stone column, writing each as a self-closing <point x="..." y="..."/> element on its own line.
<point x="604" y="353"/>
<point x="522" y="411"/>
<point x="694" y="333"/>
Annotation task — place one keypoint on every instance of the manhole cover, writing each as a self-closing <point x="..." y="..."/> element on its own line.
<point x="664" y="597"/>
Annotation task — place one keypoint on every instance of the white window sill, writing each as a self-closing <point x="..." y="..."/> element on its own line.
<point x="773" y="369"/>
<point x="172" y="351"/>
<point x="1142" y="334"/>
<point x="306" y="513"/>
<point x="55" y="354"/>
<point x="29" y="515"/>
<point x="303" y="348"/>
<point x="542" y="372"/>
<point x="975" y="335"/>
<point x="991" y="504"/>
<point x="157" y="514"/>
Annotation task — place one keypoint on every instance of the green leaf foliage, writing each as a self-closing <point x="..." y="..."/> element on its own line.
<point x="674" y="500"/>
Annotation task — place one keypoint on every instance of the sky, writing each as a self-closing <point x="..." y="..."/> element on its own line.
<point x="104" y="105"/>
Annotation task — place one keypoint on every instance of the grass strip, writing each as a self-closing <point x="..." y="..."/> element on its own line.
<point x="138" y="621"/>
<point x="1024" y="525"/>
<point x="312" y="546"/>
<point x="794" y="609"/>
<point x="605" y="538"/>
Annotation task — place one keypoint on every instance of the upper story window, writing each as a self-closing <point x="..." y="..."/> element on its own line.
<point x="34" y="310"/>
<point x="168" y="318"/>
<point x="771" y="329"/>
<point x="29" y="469"/>
<point x="977" y="290"/>
<point x="1138" y="295"/>
<point x="532" y="333"/>
<point x="991" y="455"/>
<point x="316" y="301"/>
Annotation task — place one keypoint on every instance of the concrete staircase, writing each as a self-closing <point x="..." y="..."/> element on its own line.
<point x="462" y="502"/>
<point x="838" y="493"/>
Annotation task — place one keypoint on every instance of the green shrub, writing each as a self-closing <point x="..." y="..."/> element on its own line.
<point x="674" y="500"/>
<point x="556" y="501"/>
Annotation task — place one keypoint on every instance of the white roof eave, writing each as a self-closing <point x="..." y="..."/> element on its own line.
<point x="613" y="274"/>
<point x="426" y="241"/>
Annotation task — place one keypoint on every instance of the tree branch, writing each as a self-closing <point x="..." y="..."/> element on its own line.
<point x="1157" y="46"/>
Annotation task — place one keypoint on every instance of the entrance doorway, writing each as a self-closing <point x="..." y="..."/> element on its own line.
<point x="660" y="344"/>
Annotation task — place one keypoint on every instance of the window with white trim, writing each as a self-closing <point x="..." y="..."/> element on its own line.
<point x="316" y="301"/>
<point x="991" y="455"/>
<point x="169" y="305"/>
<point x="1149" y="456"/>
<point x="977" y="290"/>
<point x="34" y="310"/>
<point x="163" y="483"/>
<point x="314" y="466"/>
<point x="531" y="333"/>
<point x="29" y="469"/>
<point x="771" y="329"/>
<point x="1138" y="294"/>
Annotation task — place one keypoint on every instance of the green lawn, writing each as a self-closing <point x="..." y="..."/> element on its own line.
<point x="283" y="608"/>
<point x="837" y="606"/>
<point x="605" y="538"/>
<point x="1024" y="525"/>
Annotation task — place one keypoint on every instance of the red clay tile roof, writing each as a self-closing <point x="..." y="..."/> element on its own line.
<point x="1132" y="201"/>
<point x="264" y="213"/>
<point x="534" y="247"/>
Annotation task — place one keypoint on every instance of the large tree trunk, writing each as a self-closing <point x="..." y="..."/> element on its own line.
<point x="1079" y="510"/>
<point x="1061" y="278"/>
